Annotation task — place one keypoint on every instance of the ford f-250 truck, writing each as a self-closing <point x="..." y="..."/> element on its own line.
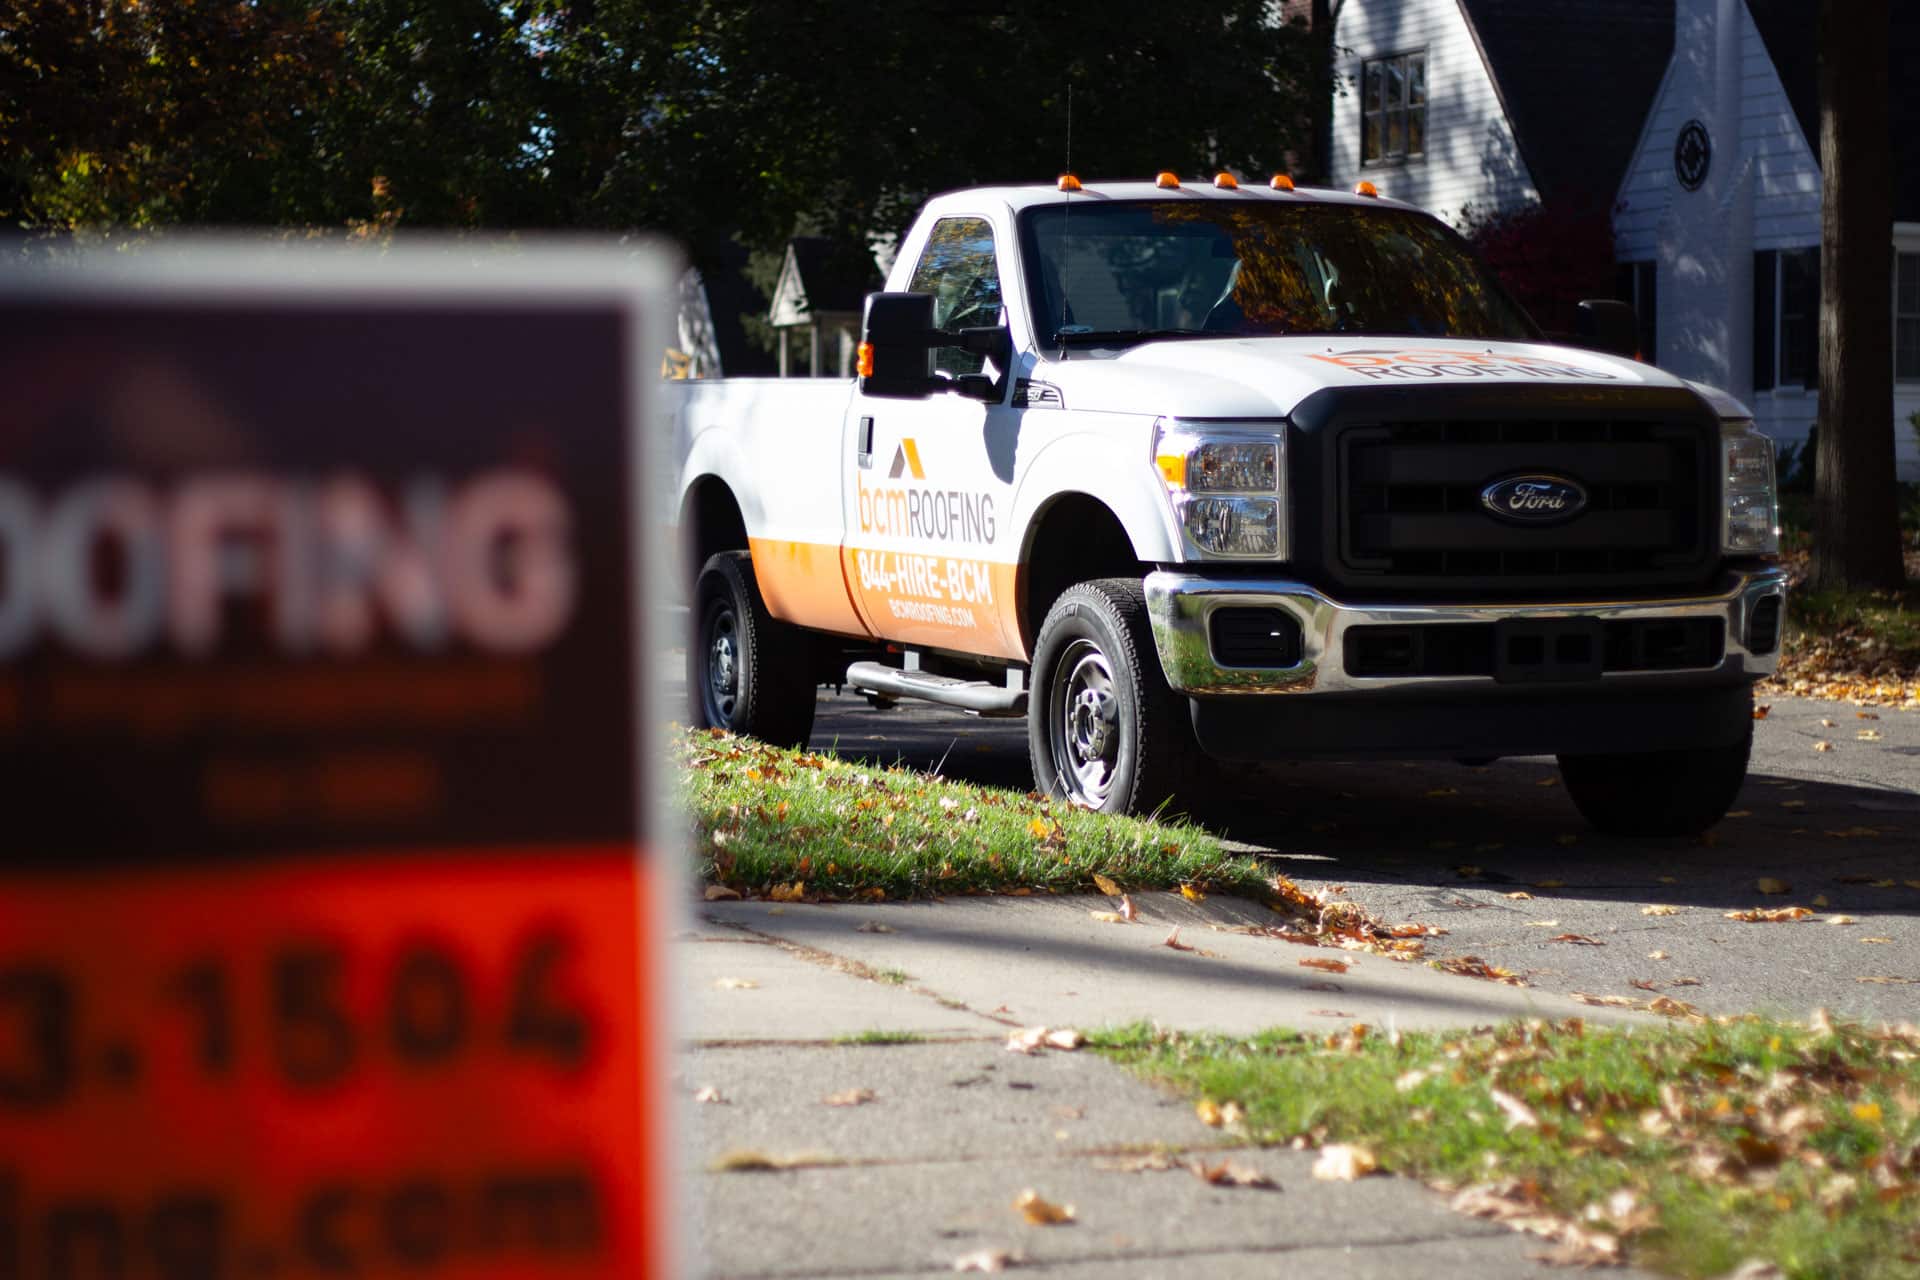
<point x="1236" y="472"/>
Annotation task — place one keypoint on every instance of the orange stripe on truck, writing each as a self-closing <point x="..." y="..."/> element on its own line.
<point x="802" y="583"/>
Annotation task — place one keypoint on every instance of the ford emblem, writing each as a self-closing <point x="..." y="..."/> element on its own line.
<point x="1537" y="499"/>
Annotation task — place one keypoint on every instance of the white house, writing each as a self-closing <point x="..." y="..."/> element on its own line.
<point x="1492" y="103"/>
<point x="1718" y="214"/>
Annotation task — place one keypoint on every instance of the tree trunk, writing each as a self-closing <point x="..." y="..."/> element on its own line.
<point x="1856" y="517"/>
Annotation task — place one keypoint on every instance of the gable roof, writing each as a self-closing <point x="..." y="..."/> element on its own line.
<point x="1791" y="31"/>
<point x="822" y="275"/>
<point x="1576" y="80"/>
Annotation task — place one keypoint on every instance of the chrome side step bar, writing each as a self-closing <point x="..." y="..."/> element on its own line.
<point x="977" y="696"/>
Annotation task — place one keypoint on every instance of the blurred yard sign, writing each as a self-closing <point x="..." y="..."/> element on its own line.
<point x="326" y="857"/>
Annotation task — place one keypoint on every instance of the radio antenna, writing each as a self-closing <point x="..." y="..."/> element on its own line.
<point x="1066" y="245"/>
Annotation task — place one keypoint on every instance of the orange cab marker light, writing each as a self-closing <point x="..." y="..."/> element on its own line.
<point x="1167" y="180"/>
<point x="1068" y="182"/>
<point x="1366" y="189"/>
<point x="1226" y="181"/>
<point x="1173" y="469"/>
<point x="1280" y="182"/>
<point x="865" y="360"/>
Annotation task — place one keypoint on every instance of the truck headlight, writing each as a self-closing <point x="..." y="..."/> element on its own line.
<point x="1750" y="506"/>
<point x="1228" y="485"/>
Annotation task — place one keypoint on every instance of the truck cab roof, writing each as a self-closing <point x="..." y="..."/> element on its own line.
<point x="1030" y="195"/>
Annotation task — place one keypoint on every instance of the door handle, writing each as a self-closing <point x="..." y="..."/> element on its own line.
<point x="864" y="444"/>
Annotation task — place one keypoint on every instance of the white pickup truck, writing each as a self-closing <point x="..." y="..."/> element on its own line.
<point x="1218" y="471"/>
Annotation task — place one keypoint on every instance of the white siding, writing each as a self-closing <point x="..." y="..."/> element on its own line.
<point x="1786" y="175"/>
<point x="1471" y="154"/>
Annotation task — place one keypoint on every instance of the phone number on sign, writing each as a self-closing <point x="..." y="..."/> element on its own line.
<point x="293" y="1040"/>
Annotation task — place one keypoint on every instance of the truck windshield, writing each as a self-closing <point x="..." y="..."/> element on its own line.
<point x="1127" y="271"/>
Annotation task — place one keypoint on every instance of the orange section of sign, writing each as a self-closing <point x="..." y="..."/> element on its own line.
<point x="429" y="1064"/>
<point x="801" y="584"/>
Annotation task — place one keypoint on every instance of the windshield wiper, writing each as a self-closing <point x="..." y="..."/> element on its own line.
<point x="1073" y="335"/>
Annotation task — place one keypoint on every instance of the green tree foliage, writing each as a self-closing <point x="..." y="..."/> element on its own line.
<point x="702" y="119"/>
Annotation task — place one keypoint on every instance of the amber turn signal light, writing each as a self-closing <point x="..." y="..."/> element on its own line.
<point x="1068" y="182"/>
<point x="1167" y="180"/>
<point x="1366" y="189"/>
<point x="1280" y="182"/>
<point x="863" y="361"/>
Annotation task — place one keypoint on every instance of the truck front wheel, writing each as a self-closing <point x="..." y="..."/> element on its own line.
<point x="747" y="672"/>
<point x="1103" y="729"/>
<point x="1657" y="793"/>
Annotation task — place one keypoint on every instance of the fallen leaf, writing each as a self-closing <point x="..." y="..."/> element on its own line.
<point x="736" y="984"/>
<point x="1660" y="909"/>
<point x="1829" y="724"/>
<point x="1656" y="955"/>
<point x="1760" y="710"/>
<point x="1228" y="1173"/>
<point x="1668" y="1007"/>
<point x="1152" y="1162"/>
<point x="752" y="1161"/>
<point x="849" y="1098"/>
<point x="1823" y="745"/>
<point x="1192" y="894"/>
<point x="1325" y="965"/>
<point x="1888" y="980"/>
<point x="1768" y="884"/>
<point x="1040" y="1212"/>
<point x="1842" y="920"/>
<point x="1209" y="1113"/>
<point x="720" y="893"/>
<point x="1127" y="911"/>
<point x="991" y="1261"/>
<point x="1475" y="967"/>
<point x="1876" y="939"/>
<point x="1108" y="917"/>
<point x="1173" y="940"/>
<point x="1868" y="735"/>
<point x="710" y="1094"/>
<point x="1344" y="1162"/>
<point x="1611" y="1002"/>
<point x="1775" y="915"/>
<point x="1106" y="885"/>
<point x="872" y="926"/>
<point x="1519" y="895"/>
<point x="1031" y="1040"/>
<point x="1519" y="1114"/>
<point x="1579" y="938"/>
<point x="1541" y="924"/>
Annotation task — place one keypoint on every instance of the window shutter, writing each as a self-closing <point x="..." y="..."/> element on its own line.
<point x="1763" y="316"/>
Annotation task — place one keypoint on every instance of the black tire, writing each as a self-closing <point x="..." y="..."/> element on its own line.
<point x="1103" y="729"/>
<point x="746" y="671"/>
<point x="1657" y="793"/>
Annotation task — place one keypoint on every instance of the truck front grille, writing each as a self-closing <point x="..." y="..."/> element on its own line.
<point x="1411" y="512"/>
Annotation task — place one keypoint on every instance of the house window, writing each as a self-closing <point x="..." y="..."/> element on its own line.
<point x="1906" y="317"/>
<point x="1786" y="318"/>
<point x="1393" y="108"/>
<point x="1637" y="284"/>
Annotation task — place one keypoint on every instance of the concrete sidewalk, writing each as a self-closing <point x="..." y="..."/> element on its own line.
<point x="925" y="1171"/>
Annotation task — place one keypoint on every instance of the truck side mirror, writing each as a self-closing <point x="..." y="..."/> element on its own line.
<point x="896" y="346"/>
<point x="1605" y="324"/>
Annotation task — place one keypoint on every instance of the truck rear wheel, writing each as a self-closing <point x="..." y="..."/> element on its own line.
<point x="746" y="671"/>
<point x="1103" y="729"/>
<point x="1657" y="793"/>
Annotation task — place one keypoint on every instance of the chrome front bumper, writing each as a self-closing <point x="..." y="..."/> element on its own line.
<point x="1181" y="604"/>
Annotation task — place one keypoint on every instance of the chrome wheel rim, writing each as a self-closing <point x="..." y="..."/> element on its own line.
<point x="721" y="689"/>
<point x="1083" y="728"/>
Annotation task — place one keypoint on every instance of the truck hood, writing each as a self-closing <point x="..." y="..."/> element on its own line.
<point x="1268" y="377"/>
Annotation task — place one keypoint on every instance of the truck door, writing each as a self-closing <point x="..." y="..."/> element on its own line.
<point x="929" y="557"/>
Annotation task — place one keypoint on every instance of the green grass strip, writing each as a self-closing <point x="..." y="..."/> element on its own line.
<point x="1738" y="1140"/>
<point x="792" y="824"/>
